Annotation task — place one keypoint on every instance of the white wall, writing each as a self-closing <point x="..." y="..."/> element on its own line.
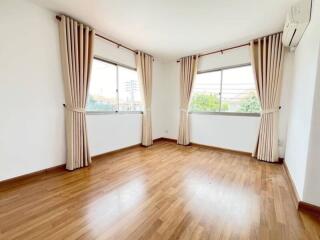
<point x="171" y="99"/>
<point x="233" y="57"/>
<point x="230" y="132"/>
<point x="285" y="100"/>
<point x="109" y="51"/>
<point x="32" y="135"/>
<point x="158" y="100"/>
<point x="311" y="192"/>
<point x="302" y="154"/>
<point x="108" y="132"/>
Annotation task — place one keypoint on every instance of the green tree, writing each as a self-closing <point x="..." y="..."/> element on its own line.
<point x="250" y="104"/>
<point x="207" y="102"/>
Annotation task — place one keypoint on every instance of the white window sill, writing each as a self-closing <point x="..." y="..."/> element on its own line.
<point x="228" y="114"/>
<point x="112" y="112"/>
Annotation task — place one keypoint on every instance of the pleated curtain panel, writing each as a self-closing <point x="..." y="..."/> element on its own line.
<point x="188" y="71"/>
<point x="76" y="42"/>
<point x="267" y="60"/>
<point x="144" y="69"/>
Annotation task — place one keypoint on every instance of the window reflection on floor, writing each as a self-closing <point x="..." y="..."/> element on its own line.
<point x="116" y="203"/>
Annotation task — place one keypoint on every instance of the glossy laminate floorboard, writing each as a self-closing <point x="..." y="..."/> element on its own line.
<point x="162" y="192"/>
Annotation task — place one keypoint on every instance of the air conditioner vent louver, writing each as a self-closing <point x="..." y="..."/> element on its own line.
<point x="296" y="23"/>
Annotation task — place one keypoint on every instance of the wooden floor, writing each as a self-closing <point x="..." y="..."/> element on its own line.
<point x="162" y="192"/>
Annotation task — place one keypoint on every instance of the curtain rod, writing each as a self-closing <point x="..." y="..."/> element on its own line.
<point x="230" y="48"/>
<point x="109" y="40"/>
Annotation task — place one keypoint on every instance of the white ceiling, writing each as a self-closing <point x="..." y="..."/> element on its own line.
<point x="171" y="29"/>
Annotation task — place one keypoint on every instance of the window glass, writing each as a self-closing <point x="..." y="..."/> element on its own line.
<point x="238" y="90"/>
<point x="113" y="88"/>
<point x="129" y="94"/>
<point x="103" y="87"/>
<point x="206" y="92"/>
<point x="227" y="90"/>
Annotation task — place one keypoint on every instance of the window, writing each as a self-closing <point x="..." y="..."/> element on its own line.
<point x="113" y="88"/>
<point x="129" y="94"/>
<point x="227" y="90"/>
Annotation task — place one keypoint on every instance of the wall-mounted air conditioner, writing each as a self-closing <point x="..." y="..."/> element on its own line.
<point x="297" y="21"/>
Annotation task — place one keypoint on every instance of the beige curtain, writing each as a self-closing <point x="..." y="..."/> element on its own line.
<point x="267" y="57"/>
<point x="76" y="41"/>
<point x="188" y="70"/>
<point x="144" y="68"/>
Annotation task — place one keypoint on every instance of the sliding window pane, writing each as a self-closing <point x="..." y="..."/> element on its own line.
<point x="103" y="87"/>
<point x="206" y="92"/>
<point x="238" y="91"/>
<point x="129" y="93"/>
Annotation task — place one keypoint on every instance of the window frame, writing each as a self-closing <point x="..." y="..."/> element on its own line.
<point x="221" y="69"/>
<point x="117" y="74"/>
